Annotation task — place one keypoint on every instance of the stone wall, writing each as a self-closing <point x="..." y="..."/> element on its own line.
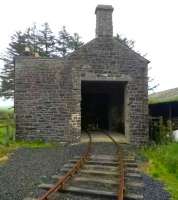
<point x="40" y="92"/>
<point x="106" y="59"/>
<point x="48" y="91"/>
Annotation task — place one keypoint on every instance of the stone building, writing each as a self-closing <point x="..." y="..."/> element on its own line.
<point x="101" y="86"/>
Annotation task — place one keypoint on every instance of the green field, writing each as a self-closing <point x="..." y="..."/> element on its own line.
<point x="162" y="164"/>
<point x="7" y="125"/>
<point x="7" y="132"/>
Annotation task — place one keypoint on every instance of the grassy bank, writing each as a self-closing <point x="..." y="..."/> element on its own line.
<point x="162" y="164"/>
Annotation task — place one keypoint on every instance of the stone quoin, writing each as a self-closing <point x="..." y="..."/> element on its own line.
<point x="56" y="98"/>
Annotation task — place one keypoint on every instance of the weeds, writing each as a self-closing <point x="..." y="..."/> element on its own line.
<point x="163" y="165"/>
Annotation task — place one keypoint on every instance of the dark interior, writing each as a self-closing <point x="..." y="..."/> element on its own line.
<point x="166" y="110"/>
<point x="102" y="106"/>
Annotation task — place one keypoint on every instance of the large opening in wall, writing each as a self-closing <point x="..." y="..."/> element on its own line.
<point x="103" y="106"/>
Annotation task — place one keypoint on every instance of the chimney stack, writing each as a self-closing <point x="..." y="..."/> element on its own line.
<point x="104" y="26"/>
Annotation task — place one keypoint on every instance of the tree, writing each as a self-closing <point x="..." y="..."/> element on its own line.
<point x="125" y="41"/>
<point x="7" y="80"/>
<point x="32" y="40"/>
<point x="62" y="42"/>
<point x="75" y="42"/>
<point x="46" y="41"/>
<point x="16" y="47"/>
<point x="41" y="41"/>
<point x="66" y="43"/>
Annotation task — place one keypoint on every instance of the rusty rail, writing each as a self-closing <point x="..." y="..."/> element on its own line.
<point x="121" y="175"/>
<point x="121" y="188"/>
<point x="77" y="166"/>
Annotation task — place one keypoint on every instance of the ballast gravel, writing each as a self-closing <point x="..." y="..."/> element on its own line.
<point x="154" y="190"/>
<point x="27" y="168"/>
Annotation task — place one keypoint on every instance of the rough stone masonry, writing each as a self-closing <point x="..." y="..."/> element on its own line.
<point x="48" y="91"/>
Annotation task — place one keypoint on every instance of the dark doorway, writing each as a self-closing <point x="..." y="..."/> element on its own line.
<point x="95" y="111"/>
<point x="102" y="106"/>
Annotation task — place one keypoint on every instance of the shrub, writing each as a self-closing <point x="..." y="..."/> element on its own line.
<point x="161" y="132"/>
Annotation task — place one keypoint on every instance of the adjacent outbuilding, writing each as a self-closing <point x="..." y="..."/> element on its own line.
<point x="165" y="104"/>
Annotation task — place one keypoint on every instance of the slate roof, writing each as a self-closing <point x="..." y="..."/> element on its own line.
<point x="165" y="96"/>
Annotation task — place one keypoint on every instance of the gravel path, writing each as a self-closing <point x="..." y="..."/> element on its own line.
<point x="27" y="168"/>
<point x="154" y="190"/>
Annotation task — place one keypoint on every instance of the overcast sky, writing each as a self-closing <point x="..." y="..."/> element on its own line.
<point x="152" y="24"/>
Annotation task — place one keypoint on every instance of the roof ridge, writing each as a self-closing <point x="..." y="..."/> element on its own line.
<point x="163" y="91"/>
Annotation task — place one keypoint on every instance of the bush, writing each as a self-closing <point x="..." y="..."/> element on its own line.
<point x="161" y="132"/>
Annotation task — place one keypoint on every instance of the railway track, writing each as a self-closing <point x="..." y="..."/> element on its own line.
<point x="98" y="175"/>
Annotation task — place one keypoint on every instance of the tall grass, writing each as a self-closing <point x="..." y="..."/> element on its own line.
<point x="163" y="165"/>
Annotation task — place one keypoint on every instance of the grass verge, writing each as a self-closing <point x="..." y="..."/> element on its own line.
<point x="5" y="151"/>
<point x="162" y="164"/>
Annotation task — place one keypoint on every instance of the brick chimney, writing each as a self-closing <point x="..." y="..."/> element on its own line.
<point x="104" y="26"/>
